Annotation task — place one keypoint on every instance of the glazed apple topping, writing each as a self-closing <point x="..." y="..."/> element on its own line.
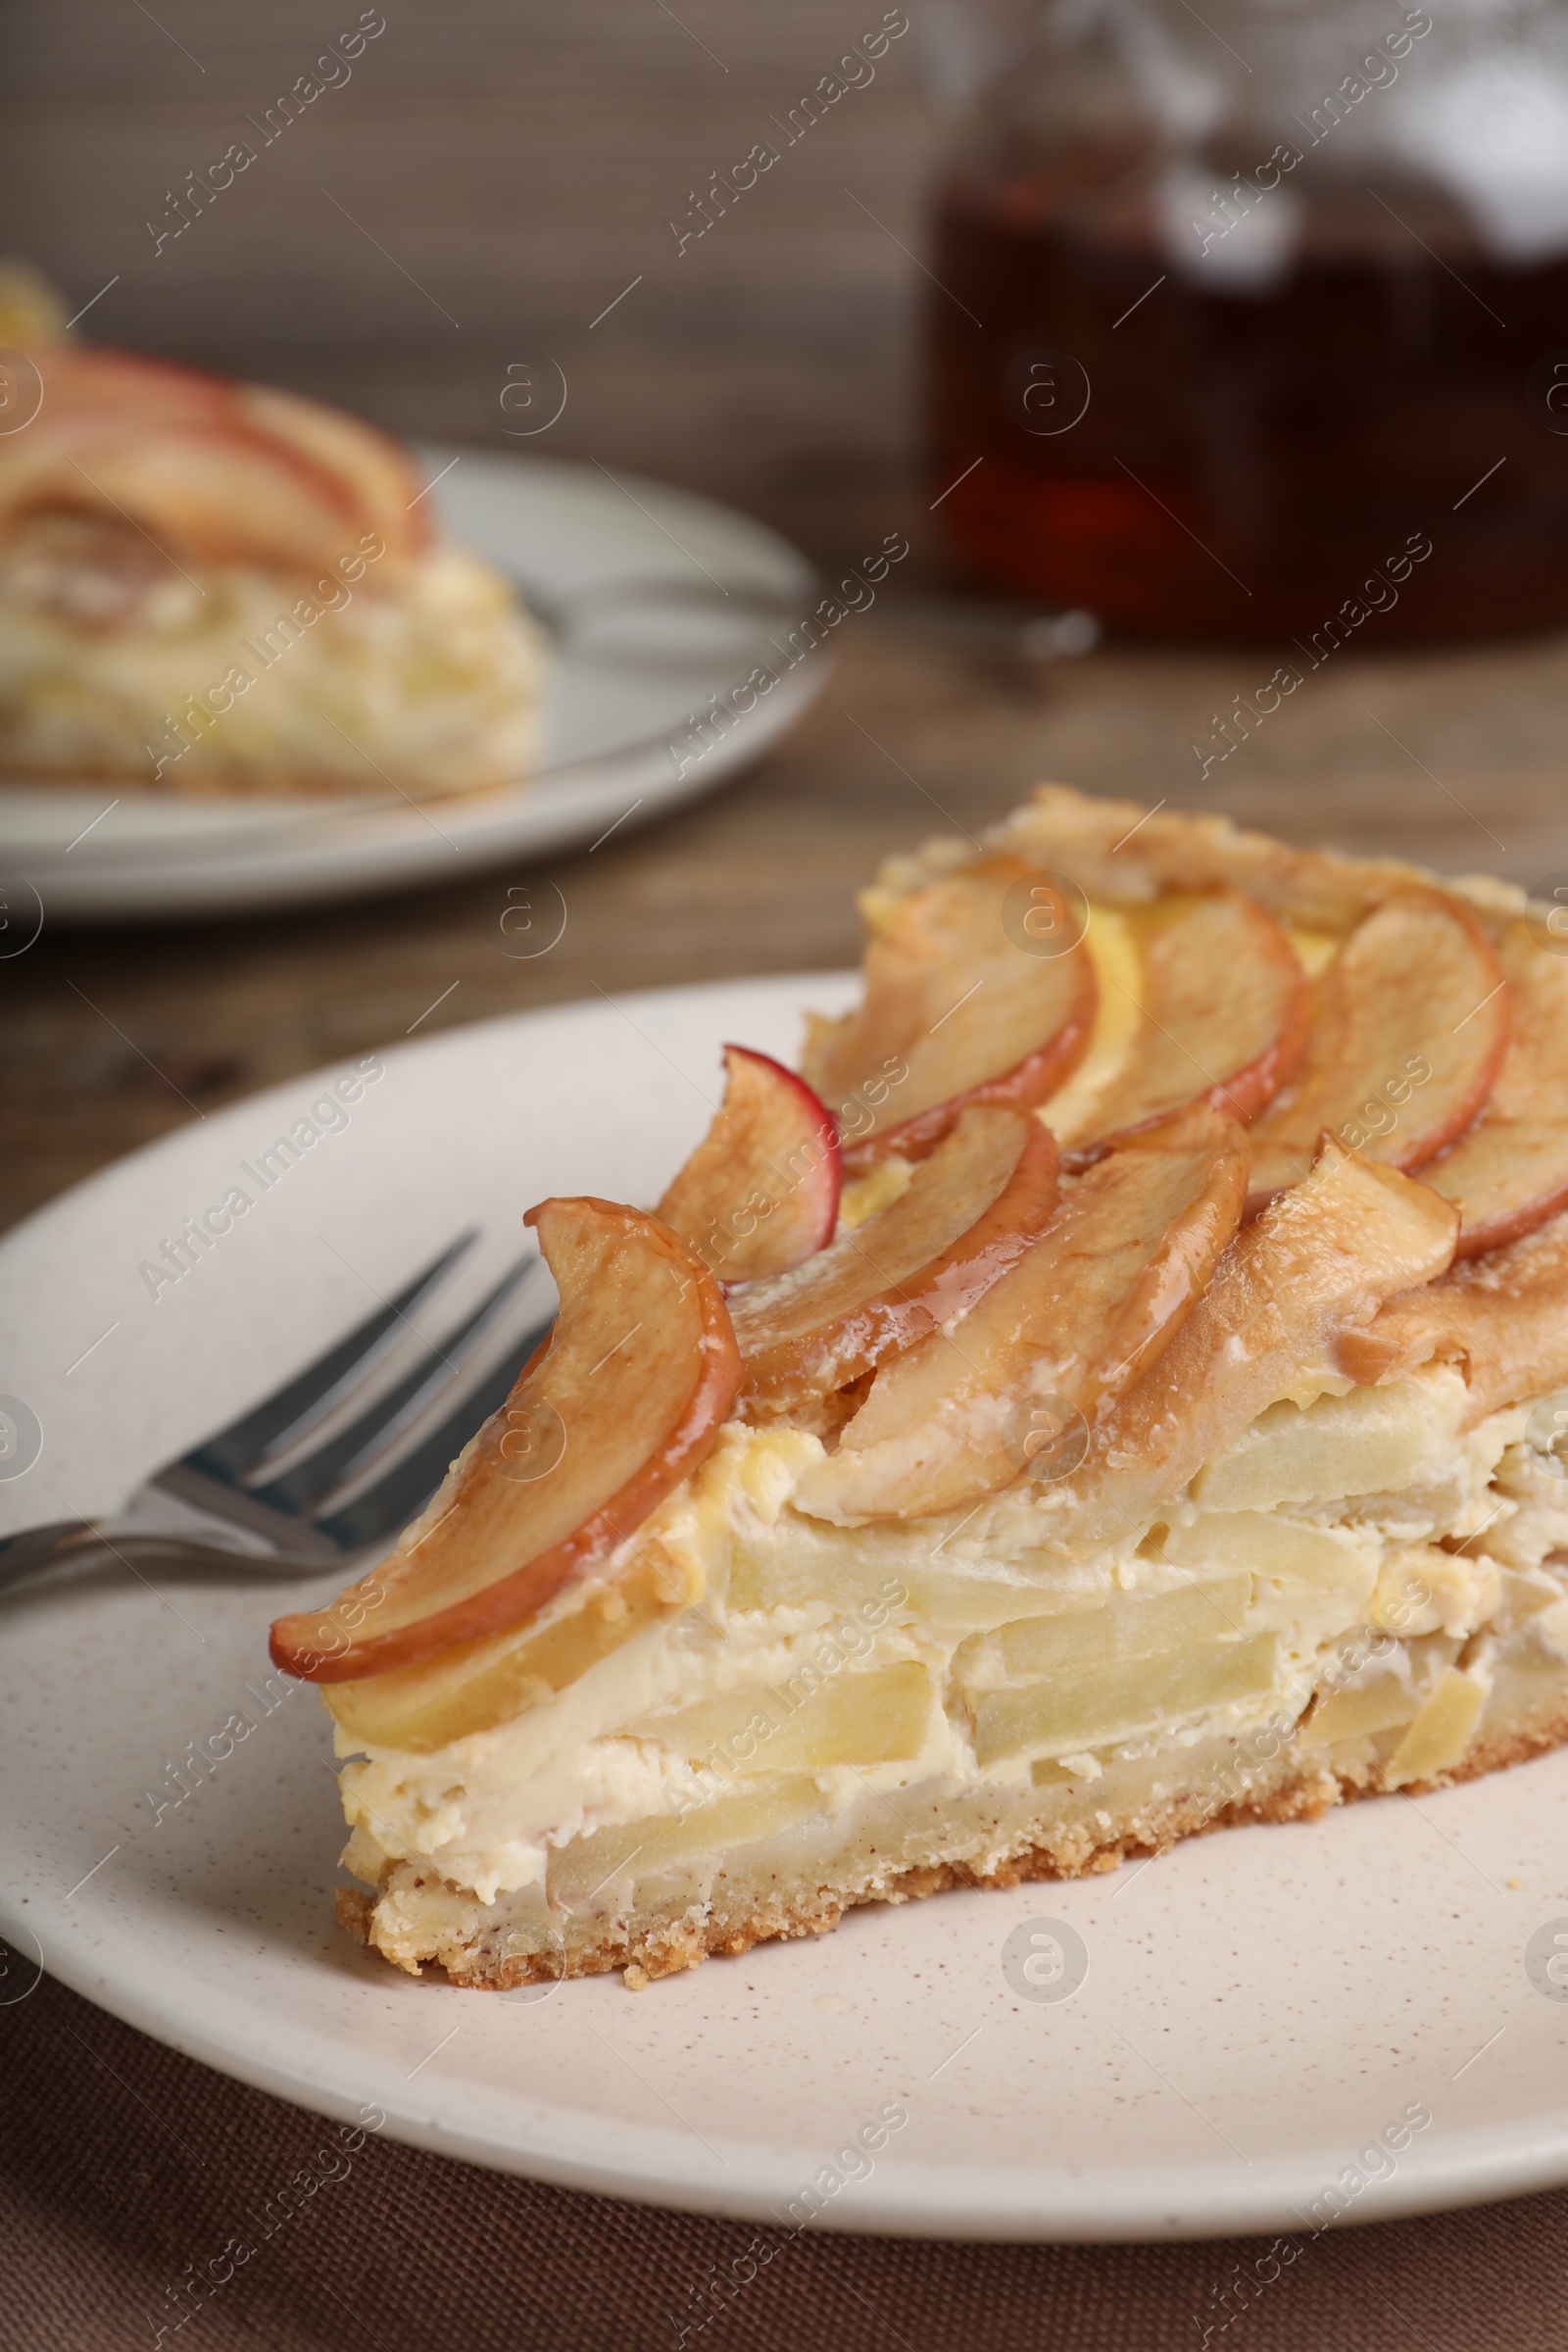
<point x="476" y="1684"/>
<point x="1224" y="1007"/>
<point x="964" y="1003"/>
<point x="1074" y="1322"/>
<point x="622" y="1399"/>
<point x="377" y="471"/>
<point x="1310" y="1273"/>
<point x="1409" y="1026"/>
<point x="969" y="1211"/>
<point x="215" y="471"/>
<point x="1499" y="1319"/>
<point x="1510" y="1172"/>
<point x="761" y="1192"/>
<point x="988" y="1325"/>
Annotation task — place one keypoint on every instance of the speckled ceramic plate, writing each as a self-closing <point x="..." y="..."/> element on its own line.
<point x="655" y="600"/>
<point x="1267" y="2029"/>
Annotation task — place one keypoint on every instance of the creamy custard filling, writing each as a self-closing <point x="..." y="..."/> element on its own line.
<point x="244" y="682"/>
<point x="1354" y="1565"/>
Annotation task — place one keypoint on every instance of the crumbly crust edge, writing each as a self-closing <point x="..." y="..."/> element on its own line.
<point x="1125" y="853"/>
<point x="663" y="1948"/>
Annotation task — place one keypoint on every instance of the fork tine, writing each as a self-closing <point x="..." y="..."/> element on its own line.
<point x="238" y="1447"/>
<point x="410" y="1480"/>
<point x="375" y="1430"/>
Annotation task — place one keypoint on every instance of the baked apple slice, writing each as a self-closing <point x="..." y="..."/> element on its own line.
<point x="1504" y="1324"/>
<point x="1410" y="1024"/>
<point x="1510" y="1172"/>
<point x="219" y="493"/>
<point x="1224" y="1013"/>
<point x="956" y="1012"/>
<point x="1074" y="1322"/>
<point x="1315" y="1267"/>
<point x="376" y="470"/>
<point x="478" y="1685"/>
<point x="622" y="1400"/>
<point x="761" y="1192"/>
<point x="969" y="1212"/>
<point x="222" y="473"/>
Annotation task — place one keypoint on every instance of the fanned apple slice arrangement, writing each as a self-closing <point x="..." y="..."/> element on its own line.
<point x="1509" y="1173"/>
<point x="1066" y="1328"/>
<point x="1073" y="1146"/>
<point x="970" y="1212"/>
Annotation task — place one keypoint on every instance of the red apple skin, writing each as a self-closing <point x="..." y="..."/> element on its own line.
<point x="1025" y="1087"/>
<point x="296" y="1639"/>
<point x="1244" y="1095"/>
<point x="769" y="1118"/>
<point x="1468" y="1102"/>
<point x="378" y="471"/>
<point x="1478" y="1240"/>
<point x="1498" y="1173"/>
<point x="1253" y="1089"/>
<point x="101" y="407"/>
<point x="899" y="1307"/>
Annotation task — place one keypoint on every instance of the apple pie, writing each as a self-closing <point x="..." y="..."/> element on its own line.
<point x="1117" y="1388"/>
<point x="210" y="587"/>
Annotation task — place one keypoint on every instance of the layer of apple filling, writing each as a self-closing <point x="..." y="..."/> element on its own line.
<point x="760" y="1706"/>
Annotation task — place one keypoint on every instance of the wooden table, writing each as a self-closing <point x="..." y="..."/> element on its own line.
<point x="113" y="1037"/>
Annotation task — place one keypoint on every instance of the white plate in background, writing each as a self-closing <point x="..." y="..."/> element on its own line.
<point x="1263" y="2010"/>
<point x="664" y="600"/>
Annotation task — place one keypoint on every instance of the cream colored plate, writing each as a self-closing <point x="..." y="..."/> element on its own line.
<point x="1260" y="2007"/>
<point x="662" y="599"/>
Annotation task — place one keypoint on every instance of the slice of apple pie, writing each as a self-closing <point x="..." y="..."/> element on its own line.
<point x="1119" y="1388"/>
<point x="215" y="588"/>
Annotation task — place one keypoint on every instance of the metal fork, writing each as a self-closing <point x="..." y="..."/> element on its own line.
<point x="303" y="1480"/>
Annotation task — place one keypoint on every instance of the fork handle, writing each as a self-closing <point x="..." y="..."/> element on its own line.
<point x="177" y="1528"/>
<point x="45" y="1547"/>
<point x="186" y="1517"/>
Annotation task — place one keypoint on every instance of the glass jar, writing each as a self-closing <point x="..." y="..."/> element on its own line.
<point x="1246" y="316"/>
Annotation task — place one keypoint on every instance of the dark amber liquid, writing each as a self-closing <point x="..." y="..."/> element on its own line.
<point x="1245" y="460"/>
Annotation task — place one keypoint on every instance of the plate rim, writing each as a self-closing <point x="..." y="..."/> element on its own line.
<point x="1088" y="2205"/>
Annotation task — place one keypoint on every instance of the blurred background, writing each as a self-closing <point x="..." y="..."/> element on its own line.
<point x="512" y="170"/>
<point x="1035" y="288"/>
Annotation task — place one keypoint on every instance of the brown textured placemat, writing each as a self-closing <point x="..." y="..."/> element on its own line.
<point x="128" y="2173"/>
